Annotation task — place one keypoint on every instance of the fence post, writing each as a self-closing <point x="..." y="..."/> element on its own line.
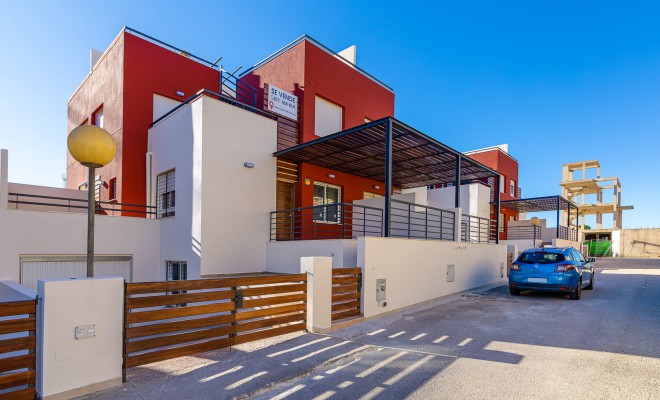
<point x="458" y="220"/>
<point x="319" y="292"/>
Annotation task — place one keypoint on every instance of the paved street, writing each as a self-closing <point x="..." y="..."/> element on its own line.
<point x="482" y="344"/>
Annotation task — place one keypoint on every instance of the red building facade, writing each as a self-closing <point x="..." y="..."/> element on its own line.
<point x="121" y="88"/>
<point x="501" y="161"/>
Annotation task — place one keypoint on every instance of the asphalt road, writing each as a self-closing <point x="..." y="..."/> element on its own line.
<point x="480" y="345"/>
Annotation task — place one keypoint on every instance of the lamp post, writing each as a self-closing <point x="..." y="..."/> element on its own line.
<point x="93" y="147"/>
<point x="535" y="221"/>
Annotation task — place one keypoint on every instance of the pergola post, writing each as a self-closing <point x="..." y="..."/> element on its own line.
<point x="558" y="207"/>
<point x="388" y="179"/>
<point x="497" y="210"/>
<point x="457" y="184"/>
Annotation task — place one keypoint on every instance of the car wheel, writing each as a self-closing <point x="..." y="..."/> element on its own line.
<point x="590" y="286"/>
<point x="514" y="292"/>
<point x="577" y="293"/>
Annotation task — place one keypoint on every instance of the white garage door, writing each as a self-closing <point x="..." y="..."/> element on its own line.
<point x="34" y="268"/>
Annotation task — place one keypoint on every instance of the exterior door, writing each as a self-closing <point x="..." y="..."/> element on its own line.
<point x="284" y="219"/>
<point x="34" y="268"/>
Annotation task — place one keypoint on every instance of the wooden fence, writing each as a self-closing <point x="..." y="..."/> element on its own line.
<point x="346" y="292"/>
<point x="171" y="319"/>
<point x="17" y="346"/>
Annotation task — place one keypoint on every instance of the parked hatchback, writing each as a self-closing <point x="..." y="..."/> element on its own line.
<point x="552" y="269"/>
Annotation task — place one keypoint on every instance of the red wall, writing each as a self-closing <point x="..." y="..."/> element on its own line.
<point x="149" y="69"/>
<point x="334" y="80"/>
<point x="507" y="166"/>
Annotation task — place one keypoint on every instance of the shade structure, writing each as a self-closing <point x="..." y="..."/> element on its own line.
<point x="539" y="204"/>
<point x="417" y="159"/>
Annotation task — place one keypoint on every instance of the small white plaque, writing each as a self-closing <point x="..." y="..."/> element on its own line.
<point x="85" y="331"/>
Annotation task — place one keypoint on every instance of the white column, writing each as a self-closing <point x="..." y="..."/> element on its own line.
<point x="319" y="292"/>
<point x="458" y="219"/>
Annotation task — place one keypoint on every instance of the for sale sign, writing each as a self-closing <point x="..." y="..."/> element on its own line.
<point x="283" y="103"/>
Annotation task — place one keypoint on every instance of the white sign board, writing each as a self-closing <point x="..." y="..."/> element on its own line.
<point x="283" y="103"/>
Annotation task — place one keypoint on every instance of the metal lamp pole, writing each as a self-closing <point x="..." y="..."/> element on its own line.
<point x="92" y="147"/>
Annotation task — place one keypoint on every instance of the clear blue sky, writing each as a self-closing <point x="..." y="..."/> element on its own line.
<point x="561" y="81"/>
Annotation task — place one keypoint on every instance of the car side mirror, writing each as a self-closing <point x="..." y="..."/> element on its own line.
<point x="591" y="259"/>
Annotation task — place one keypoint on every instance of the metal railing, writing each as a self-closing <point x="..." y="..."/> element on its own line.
<point x="416" y="221"/>
<point x="233" y="87"/>
<point x="478" y="229"/>
<point x="523" y="232"/>
<point x="567" y="233"/>
<point x="33" y="202"/>
<point x="336" y="221"/>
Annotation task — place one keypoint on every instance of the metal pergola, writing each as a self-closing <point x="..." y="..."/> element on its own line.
<point x="389" y="151"/>
<point x="540" y="204"/>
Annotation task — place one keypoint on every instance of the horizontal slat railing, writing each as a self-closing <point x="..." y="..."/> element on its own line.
<point x="17" y="349"/>
<point x="346" y="293"/>
<point x="336" y="221"/>
<point x="523" y="232"/>
<point x="176" y="318"/>
<point x="33" y="202"/>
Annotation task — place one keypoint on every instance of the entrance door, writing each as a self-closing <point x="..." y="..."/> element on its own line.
<point x="284" y="219"/>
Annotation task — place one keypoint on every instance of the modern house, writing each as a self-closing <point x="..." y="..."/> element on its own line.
<point x="299" y="156"/>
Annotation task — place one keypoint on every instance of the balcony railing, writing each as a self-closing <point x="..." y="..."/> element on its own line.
<point x="523" y="232"/>
<point x="349" y="221"/>
<point x="416" y="221"/>
<point x="567" y="233"/>
<point x="336" y="221"/>
<point x="478" y="229"/>
<point x="33" y="202"/>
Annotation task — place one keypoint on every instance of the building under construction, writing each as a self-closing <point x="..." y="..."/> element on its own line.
<point x="578" y="180"/>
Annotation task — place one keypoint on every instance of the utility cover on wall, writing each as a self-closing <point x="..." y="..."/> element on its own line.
<point x="451" y="272"/>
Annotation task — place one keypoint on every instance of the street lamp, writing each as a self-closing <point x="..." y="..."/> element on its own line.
<point x="93" y="147"/>
<point x="535" y="221"/>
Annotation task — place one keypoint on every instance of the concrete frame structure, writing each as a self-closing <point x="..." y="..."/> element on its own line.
<point x="574" y="186"/>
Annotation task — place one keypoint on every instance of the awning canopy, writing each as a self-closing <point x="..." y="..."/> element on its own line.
<point x="539" y="204"/>
<point x="417" y="159"/>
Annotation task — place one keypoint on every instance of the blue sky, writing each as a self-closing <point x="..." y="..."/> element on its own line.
<point x="559" y="81"/>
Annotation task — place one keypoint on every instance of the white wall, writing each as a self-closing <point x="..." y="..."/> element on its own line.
<point x="475" y="199"/>
<point x="416" y="270"/>
<point x="70" y="367"/>
<point x="223" y="208"/>
<point x="285" y="256"/>
<point x="53" y="233"/>
<point x="523" y="244"/>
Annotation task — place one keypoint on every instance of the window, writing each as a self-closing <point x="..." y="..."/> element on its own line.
<point x="165" y="194"/>
<point x="540" y="257"/>
<point x="502" y="190"/>
<point x="112" y="189"/>
<point x="82" y="186"/>
<point x="176" y="270"/>
<point x="326" y="195"/>
<point x="512" y="188"/>
<point x="97" y="118"/>
<point x="370" y="195"/>
<point x="501" y="222"/>
<point x="328" y="117"/>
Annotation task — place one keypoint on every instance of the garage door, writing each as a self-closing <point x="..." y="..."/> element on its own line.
<point x="36" y="267"/>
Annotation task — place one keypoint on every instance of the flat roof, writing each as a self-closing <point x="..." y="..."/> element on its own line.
<point x="417" y="159"/>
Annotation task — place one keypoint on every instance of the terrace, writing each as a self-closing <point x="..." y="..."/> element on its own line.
<point x="407" y="162"/>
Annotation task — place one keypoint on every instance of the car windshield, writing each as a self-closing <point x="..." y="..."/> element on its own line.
<point x="538" y="257"/>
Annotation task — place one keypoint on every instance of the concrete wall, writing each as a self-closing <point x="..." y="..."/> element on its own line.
<point x="566" y="243"/>
<point x="285" y="257"/>
<point x="523" y="244"/>
<point x="219" y="202"/>
<point x="69" y="367"/>
<point x="475" y="199"/>
<point x="416" y="270"/>
<point x="636" y="243"/>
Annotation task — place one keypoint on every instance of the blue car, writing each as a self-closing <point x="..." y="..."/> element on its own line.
<point x="552" y="269"/>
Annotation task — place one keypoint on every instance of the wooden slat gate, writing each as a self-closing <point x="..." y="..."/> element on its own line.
<point x="171" y="319"/>
<point x="17" y="347"/>
<point x="346" y="292"/>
